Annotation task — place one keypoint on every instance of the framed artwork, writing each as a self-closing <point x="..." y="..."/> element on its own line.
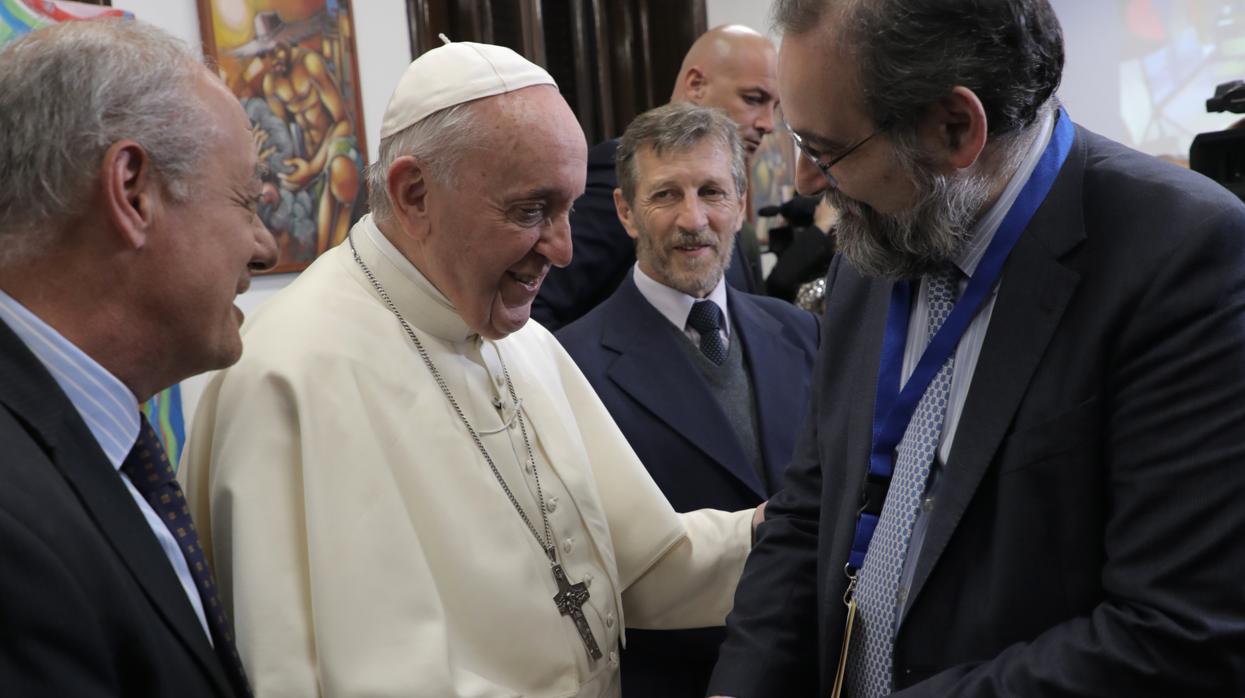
<point x="293" y="65"/>
<point x="773" y="174"/>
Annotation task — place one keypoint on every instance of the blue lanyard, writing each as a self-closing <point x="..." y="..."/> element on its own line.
<point x="894" y="406"/>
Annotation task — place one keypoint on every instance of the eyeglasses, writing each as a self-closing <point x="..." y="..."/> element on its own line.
<point x="815" y="158"/>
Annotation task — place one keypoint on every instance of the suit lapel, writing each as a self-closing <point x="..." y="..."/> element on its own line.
<point x="776" y="367"/>
<point x="655" y="372"/>
<point x="1034" y="291"/>
<point x="30" y="392"/>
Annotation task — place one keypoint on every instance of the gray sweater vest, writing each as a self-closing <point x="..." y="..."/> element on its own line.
<point x="731" y="385"/>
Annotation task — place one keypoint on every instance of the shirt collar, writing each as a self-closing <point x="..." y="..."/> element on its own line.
<point x="417" y="299"/>
<point x="983" y="231"/>
<point x="674" y="305"/>
<point x="107" y="406"/>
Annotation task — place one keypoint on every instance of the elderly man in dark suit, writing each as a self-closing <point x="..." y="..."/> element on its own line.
<point x="127" y="227"/>
<point x="709" y="384"/>
<point x="732" y="68"/>
<point x="1023" y="467"/>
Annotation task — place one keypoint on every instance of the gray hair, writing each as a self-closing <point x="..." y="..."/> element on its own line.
<point x="72" y="90"/>
<point x="678" y="127"/>
<point x="910" y="53"/>
<point x="439" y="140"/>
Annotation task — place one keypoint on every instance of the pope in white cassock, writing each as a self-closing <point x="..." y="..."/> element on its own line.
<point x="406" y="488"/>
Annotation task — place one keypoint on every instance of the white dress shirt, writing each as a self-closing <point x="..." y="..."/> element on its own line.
<point x="675" y="306"/>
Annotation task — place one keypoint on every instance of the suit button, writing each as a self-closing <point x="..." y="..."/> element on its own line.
<point x="588" y="580"/>
<point x="568" y="545"/>
<point x="609" y="620"/>
<point x="614" y="659"/>
<point x="551" y="505"/>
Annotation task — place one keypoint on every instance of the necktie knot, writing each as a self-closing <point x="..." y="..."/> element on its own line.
<point x="942" y="290"/>
<point x="706" y="319"/>
<point x="706" y="316"/>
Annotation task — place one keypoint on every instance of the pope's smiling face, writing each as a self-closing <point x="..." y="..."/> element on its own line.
<point x="504" y="220"/>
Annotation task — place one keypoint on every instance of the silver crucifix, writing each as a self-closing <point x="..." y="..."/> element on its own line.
<point x="570" y="601"/>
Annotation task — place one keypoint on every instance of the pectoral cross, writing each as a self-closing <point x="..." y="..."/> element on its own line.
<point x="570" y="601"/>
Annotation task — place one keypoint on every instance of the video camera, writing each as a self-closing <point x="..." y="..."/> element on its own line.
<point x="1220" y="155"/>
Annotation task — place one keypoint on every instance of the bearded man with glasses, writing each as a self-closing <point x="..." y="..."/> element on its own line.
<point x="1021" y="472"/>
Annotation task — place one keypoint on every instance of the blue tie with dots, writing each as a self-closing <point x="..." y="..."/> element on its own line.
<point x="706" y="319"/>
<point x="148" y="468"/>
<point x="878" y="597"/>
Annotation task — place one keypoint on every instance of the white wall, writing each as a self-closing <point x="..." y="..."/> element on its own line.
<point x="750" y="13"/>
<point x="384" y="52"/>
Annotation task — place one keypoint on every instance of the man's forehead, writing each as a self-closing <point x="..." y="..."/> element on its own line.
<point x="708" y="156"/>
<point x="817" y="84"/>
<point x="756" y="61"/>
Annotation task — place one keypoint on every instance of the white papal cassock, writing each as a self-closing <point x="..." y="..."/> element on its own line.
<point x="361" y="541"/>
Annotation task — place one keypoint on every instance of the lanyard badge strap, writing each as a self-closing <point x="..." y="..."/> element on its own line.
<point x="893" y="407"/>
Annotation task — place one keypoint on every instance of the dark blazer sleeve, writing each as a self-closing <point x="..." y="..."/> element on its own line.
<point x="602" y="250"/>
<point x="772" y="634"/>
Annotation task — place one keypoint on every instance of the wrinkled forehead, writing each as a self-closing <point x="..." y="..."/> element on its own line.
<point x="707" y="158"/>
<point x="536" y="117"/>
<point x="529" y="140"/>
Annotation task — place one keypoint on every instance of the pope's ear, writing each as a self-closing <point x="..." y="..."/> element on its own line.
<point x="129" y="191"/>
<point x="624" y="213"/>
<point x="408" y="193"/>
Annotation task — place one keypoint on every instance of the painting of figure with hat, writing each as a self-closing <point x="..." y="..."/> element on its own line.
<point x="293" y="65"/>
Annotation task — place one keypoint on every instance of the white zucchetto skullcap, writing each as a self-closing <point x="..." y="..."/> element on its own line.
<point x="455" y="73"/>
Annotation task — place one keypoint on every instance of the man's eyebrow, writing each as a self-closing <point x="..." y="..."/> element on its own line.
<point x="654" y="185"/>
<point x="536" y="193"/>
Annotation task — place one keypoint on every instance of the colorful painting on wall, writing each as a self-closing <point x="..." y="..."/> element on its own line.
<point x="18" y="17"/>
<point x="293" y="65"/>
<point x="164" y="411"/>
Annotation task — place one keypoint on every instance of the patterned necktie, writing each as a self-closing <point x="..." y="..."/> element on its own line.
<point x="706" y="318"/>
<point x="149" y="470"/>
<point x="877" y="593"/>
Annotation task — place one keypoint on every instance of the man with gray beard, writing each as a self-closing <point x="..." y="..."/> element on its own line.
<point x="708" y="383"/>
<point x="1022" y="470"/>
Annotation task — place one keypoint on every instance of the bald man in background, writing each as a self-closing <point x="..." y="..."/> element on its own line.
<point x="732" y="68"/>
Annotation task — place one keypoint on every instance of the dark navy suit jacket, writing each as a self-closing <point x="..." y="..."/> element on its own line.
<point x="626" y="349"/>
<point x="603" y="252"/>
